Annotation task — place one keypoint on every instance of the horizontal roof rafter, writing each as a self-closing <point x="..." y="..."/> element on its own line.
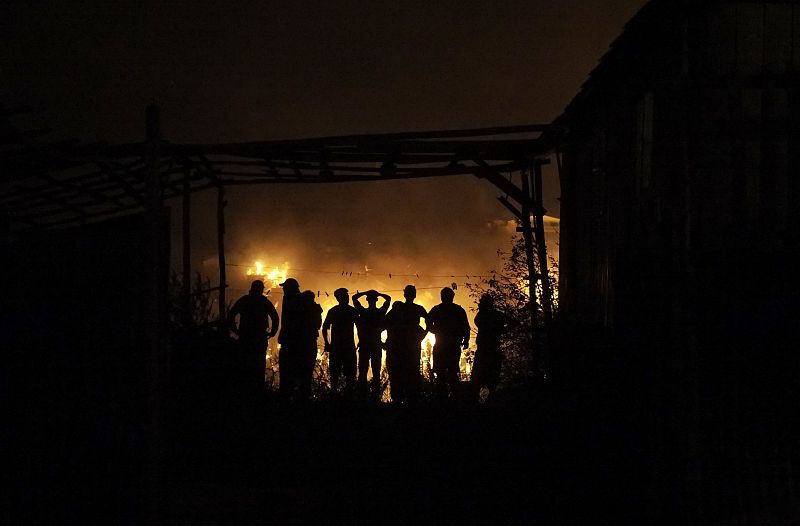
<point x="63" y="183"/>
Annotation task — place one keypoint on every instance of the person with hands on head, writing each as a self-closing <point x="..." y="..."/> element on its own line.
<point x="370" y="324"/>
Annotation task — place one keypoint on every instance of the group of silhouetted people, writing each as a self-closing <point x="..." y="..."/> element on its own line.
<point x="301" y="319"/>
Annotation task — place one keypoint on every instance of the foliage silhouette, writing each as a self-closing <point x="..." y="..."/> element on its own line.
<point x="523" y="349"/>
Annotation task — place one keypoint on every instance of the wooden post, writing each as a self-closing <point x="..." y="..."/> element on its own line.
<point x="527" y="235"/>
<point x="187" y="248"/>
<point x="524" y="196"/>
<point x="541" y="244"/>
<point x="156" y="359"/>
<point x="221" y="249"/>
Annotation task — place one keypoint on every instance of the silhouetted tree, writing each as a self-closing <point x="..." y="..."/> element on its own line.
<point x="509" y="288"/>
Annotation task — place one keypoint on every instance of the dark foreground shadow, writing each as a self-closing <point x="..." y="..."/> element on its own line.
<point x="521" y="460"/>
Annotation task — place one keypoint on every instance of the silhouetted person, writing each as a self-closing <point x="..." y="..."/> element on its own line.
<point x="491" y="324"/>
<point x="290" y="339"/>
<point x="311" y="321"/>
<point x="448" y="322"/>
<point x="341" y="347"/>
<point x="258" y="322"/>
<point x="406" y="346"/>
<point x="370" y="348"/>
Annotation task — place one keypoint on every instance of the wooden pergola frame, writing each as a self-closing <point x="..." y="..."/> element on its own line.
<point x="57" y="185"/>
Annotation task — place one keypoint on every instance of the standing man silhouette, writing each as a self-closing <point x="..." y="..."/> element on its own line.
<point x="311" y="322"/>
<point x="258" y="322"/>
<point x="290" y="339"/>
<point x="370" y="324"/>
<point x="488" y="357"/>
<point x="341" y="346"/>
<point x="448" y="322"/>
<point x="404" y="319"/>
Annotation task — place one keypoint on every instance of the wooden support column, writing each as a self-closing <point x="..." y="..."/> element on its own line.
<point x="187" y="248"/>
<point x="221" y="249"/>
<point x="524" y="196"/>
<point x="527" y="235"/>
<point x="541" y="244"/>
<point x="155" y="313"/>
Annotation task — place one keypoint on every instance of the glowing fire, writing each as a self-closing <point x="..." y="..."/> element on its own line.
<point x="429" y="341"/>
<point x="272" y="277"/>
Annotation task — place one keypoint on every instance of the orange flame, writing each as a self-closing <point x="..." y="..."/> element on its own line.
<point x="272" y="277"/>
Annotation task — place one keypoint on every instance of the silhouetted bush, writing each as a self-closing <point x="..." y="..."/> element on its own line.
<point x="524" y="349"/>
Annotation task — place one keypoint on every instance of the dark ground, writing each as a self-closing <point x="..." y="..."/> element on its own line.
<point x="535" y="455"/>
<point x="582" y="450"/>
<point x="519" y="460"/>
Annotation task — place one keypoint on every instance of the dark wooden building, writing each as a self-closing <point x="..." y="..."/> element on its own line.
<point x="679" y="246"/>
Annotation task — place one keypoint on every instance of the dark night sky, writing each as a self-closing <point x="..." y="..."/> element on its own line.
<point x="272" y="70"/>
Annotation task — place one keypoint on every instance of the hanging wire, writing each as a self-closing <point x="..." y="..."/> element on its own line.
<point x="373" y="273"/>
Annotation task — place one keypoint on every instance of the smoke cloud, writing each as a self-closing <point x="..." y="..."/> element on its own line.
<point x="431" y="233"/>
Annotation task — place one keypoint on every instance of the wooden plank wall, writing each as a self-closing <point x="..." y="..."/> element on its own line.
<point x="694" y="273"/>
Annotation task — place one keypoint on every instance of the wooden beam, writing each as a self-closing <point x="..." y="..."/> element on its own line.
<point x="91" y="179"/>
<point x="63" y="205"/>
<point x="368" y="151"/>
<point x="221" y="203"/>
<point x="510" y="206"/>
<point x="187" y="249"/>
<point x="23" y="194"/>
<point x="493" y="175"/>
<point x="326" y="159"/>
<point x="345" y="178"/>
<point x="81" y="190"/>
<point x="112" y="172"/>
<point x="353" y="141"/>
<point x="22" y="169"/>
